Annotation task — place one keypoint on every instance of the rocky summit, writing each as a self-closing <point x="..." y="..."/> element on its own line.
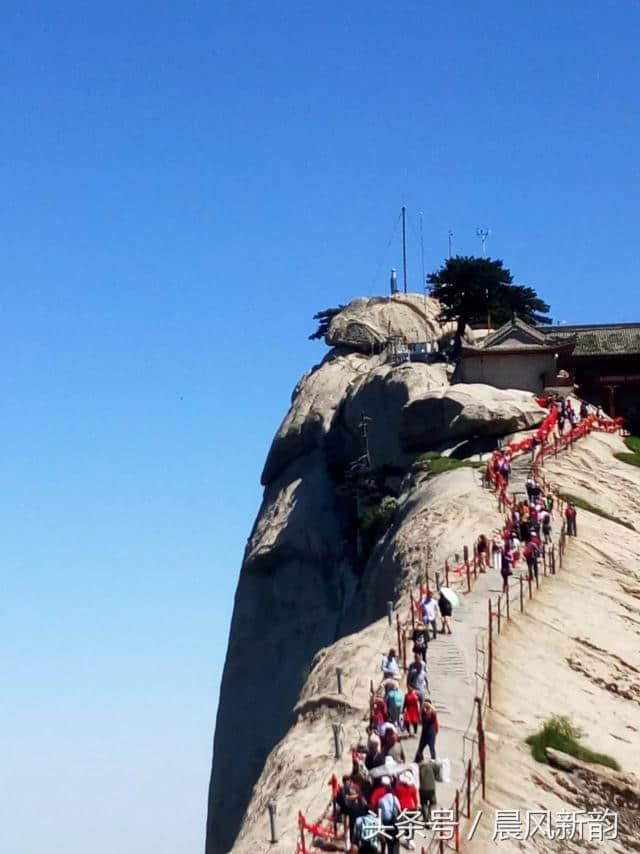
<point x="314" y="573"/>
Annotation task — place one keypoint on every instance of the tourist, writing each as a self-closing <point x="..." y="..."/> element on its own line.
<point x="430" y="612"/>
<point x="570" y="514"/>
<point x="406" y="790"/>
<point x="529" y="485"/>
<point x="391" y="745"/>
<point x="532" y="555"/>
<point x="545" y="519"/>
<point x="388" y="808"/>
<point x="427" y="787"/>
<point x="417" y="677"/>
<point x="375" y="756"/>
<point x="429" y="730"/>
<point x="378" y="713"/>
<point x="584" y="410"/>
<point x="446" y="610"/>
<point x="505" y="470"/>
<point x="395" y="701"/>
<point x="411" y="709"/>
<point x="390" y="667"/>
<point x="482" y="547"/>
<point x="506" y="570"/>
<point x="421" y="641"/>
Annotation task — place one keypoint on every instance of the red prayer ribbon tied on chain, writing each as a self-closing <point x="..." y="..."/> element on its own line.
<point x="591" y="422"/>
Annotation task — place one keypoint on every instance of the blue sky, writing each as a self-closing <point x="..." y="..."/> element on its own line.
<point x="183" y="186"/>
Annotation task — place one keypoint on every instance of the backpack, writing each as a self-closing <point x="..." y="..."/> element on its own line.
<point x="365" y="832"/>
<point x="389" y="807"/>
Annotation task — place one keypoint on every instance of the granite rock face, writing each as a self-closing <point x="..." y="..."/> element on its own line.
<point x="302" y="586"/>
<point x="365" y="324"/>
<point x="464" y="411"/>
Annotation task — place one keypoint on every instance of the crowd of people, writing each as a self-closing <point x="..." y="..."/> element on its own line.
<point x="384" y="782"/>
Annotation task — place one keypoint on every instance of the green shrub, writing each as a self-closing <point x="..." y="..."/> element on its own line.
<point x="633" y="443"/>
<point x="558" y="732"/>
<point x="632" y="459"/>
<point x="377" y="519"/>
<point x="427" y="456"/>
<point x="585" y="505"/>
<point x="443" y="464"/>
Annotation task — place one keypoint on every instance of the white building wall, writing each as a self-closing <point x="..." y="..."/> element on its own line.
<point x="507" y="371"/>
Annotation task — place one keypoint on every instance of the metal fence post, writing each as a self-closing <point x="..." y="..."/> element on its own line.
<point x="521" y="594"/>
<point x="273" y="811"/>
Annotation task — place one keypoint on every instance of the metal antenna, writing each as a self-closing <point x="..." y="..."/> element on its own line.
<point x="483" y="233"/>
<point x="404" y="246"/>
<point x="450" y="240"/>
<point x="422" y="244"/>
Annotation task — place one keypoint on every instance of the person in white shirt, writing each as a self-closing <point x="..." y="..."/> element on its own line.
<point x="390" y="667"/>
<point x="430" y="613"/>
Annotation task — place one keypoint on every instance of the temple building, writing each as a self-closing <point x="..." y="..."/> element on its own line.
<point x="517" y="355"/>
<point x="605" y="365"/>
<point x="601" y="362"/>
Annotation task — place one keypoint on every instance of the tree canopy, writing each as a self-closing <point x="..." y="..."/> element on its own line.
<point x="324" y="318"/>
<point x="471" y="289"/>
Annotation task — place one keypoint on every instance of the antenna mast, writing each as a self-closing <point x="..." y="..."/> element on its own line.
<point x="483" y="233"/>
<point x="450" y="240"/>
<point x="404" y="246"/>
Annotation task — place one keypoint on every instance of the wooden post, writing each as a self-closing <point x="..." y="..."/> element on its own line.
<point x="490" y="665"/>
<point x="446" y="573"/>
<point x="404" y="650"/>
<point x="499" y="612"/>
<point x="468" y="576"/>
<point x="553" y="559"/>
<point x="521" y="594"/>
<point x="508" y="606"/>
<point x="437" y="581"/>
<point x="273" y="811"/>
<point x="555" y="445"/>
<point x="337" y="740"/>
<point x="303" y="844"/>
<point x="530" y="588"/>
<point x="469" y="775"/>
<point x="544" y="558"/>
<point x="481" y="749"/>
<point x="413" y="613"/>
<point x="339" y="678"/>
<point x="457" y="820"/>
<point x="390" y="612"/>
<point x="398" y="630"/>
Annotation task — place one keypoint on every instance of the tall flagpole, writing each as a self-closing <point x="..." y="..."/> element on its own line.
<point x="404" y="246"/>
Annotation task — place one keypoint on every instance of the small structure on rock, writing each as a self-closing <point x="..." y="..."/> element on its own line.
<point x="516" y="355"/>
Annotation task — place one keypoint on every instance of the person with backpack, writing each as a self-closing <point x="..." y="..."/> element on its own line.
<point x="532" y="555"/>
<point x="427" y="786"/>
<point x="388" y="810"/>
<point x="545" y="518"/>
<point x="420" y="641"/>
<point x="395" y="701"/>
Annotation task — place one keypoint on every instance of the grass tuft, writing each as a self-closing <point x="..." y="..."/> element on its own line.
<point x="633" y="443"/>
<point x="558" y="732"/>
<point x="631" y="459"/>
<point x="586" y="505"/>
<point x="438" y="464"/>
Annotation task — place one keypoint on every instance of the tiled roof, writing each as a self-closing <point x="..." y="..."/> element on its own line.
<point x="616" y="339"/>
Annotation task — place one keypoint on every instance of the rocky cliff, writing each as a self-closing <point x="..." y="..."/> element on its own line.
<point x="317" y="572"/>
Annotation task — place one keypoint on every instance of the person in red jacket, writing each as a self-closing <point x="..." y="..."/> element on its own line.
<point x="571" y="514"/>
<point x="406" y="791"/>
<point x="411" y="710"/>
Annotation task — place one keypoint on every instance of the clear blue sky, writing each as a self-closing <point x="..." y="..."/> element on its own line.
<point x="183" y="186"/>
